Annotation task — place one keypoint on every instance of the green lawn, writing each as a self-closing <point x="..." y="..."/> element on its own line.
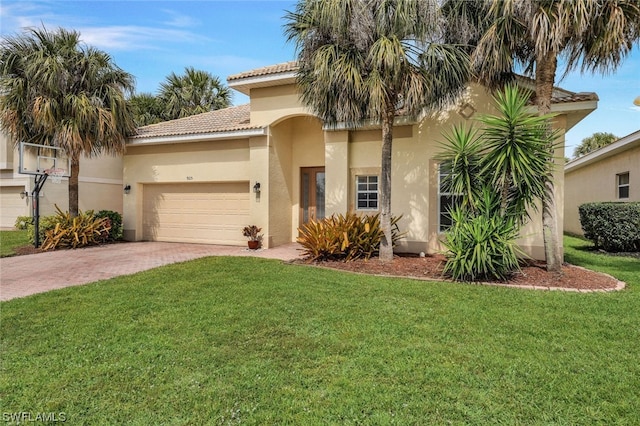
<point x="251" y="341"/>
<point x="9" y="240"/>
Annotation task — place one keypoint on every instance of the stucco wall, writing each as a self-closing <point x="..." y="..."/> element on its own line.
<point x="210" y="161"/>
<point x="280" y="184"/>
<point x="271" y="104"/>
<point x="597" y="182"/>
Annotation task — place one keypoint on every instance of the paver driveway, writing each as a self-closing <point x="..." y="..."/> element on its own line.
<point x="36" y="273"/>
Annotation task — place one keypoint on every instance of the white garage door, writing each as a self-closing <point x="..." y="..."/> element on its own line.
<point x="11" y="205"/>
<point x="211" y="213"/>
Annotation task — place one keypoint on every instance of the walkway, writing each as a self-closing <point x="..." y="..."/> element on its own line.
<point x="37" y="273"/>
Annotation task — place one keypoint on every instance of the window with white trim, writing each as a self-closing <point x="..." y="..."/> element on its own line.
<point x="446" y="200"/>
<point x="623" y="185"/>
<point x="367" y="192"/>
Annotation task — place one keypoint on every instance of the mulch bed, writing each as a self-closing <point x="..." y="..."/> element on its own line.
<point x="532" y="275"/>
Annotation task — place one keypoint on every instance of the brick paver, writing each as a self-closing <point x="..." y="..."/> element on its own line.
<point x="24" y="275"/>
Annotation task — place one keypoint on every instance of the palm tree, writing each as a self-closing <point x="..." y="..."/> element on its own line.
<point x="368" y="60"/>
<point x="593" y="36"/>
<point x="596" y="141"/>
<point x="146" y="109"/>
<point x="57" y="91"/>
<point x="193" y="93"/>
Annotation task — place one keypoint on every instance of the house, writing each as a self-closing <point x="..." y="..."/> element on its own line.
<point x="100" y="186"/>
<point x="274" y="164"/>
<point x="611" y="173"/>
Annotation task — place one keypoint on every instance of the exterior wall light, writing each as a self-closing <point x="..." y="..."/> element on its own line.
<point x="24" y="194"/>
<point x="127" y="189"/>
<point x="256" y="188"/>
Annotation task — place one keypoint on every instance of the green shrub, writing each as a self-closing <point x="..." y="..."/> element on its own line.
<point x="481" y="245"/>
<point x="22" y="222"/>
<point x="80" y="231"/>
<point x="46" y="223"/>
<point x="115" y="220"/>
<point x="345" y="238"/>
<point x="612" y="226"/>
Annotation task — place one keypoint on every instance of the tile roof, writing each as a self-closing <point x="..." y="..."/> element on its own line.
<point x="559" y="95"/>
<point x="268" y="70"/>
<point x="222" y="120"/>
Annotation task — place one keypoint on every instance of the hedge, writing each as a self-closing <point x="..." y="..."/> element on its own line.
<point x="614" y="227"/>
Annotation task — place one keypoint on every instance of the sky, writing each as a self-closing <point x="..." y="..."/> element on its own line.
<point x="150" y="39"/>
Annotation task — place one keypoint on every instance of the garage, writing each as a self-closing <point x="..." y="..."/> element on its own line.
<point x="210" y="213"/>
<point x="12" y="205"/>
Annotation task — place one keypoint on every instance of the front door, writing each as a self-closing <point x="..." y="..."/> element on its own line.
<point x="312" y="184"/>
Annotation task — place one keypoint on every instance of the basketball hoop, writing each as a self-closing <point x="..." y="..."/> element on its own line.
<point x="55" y="175"/>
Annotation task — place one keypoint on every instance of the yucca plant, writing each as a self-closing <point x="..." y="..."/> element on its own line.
<point x="498" y="173"/>
<point x="481" y="243"/>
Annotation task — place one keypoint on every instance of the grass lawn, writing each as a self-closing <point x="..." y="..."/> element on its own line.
<point x="252" y="341"/>
<point x="9" y="240"/>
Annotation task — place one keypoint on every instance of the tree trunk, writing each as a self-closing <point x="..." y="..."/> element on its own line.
<point x="545" y="75"/>
<point x="386" y="244"/>
<point x="73" y="185"/>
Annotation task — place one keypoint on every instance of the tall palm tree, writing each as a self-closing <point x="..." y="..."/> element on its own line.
<point x="593" y="36"/>
<point x="193" y="93"/>
<point x="146" y="109"/>
<point x="368" y="60"/>
<point x="57" y="91"/>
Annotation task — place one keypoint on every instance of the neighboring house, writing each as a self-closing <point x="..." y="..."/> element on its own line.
<point x="611" y="173"/>
<point x="100" y="186"/>
<point x="272" y="163"/>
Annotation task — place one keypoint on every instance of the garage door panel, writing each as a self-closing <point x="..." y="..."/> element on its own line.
<point x="12" y="205"/>
<point x="213" y="213"/>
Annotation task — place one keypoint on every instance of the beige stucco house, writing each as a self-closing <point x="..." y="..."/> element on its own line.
<point x="274" y="164"/>
<point x="100" y="186"/>
<point x="611" y="173"/>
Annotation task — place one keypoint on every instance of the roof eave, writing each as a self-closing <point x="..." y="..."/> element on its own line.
<point x="200" y="137"/>
<point x="620" y="145"/>
<point x="244" y="85"/>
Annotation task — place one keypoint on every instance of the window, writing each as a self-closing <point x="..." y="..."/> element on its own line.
<point x="367" y="192"/>
<point x="623" y="185"/>
<point x="446" y="200"/>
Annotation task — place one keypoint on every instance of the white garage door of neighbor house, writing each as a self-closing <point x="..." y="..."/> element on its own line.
<point x="11" y="205"/>
<point x="211" y="213"/>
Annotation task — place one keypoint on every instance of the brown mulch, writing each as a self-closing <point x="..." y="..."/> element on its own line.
<point x="532" y="275"/>
<point x="23" y="250"/>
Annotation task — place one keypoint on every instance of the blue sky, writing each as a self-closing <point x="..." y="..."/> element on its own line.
<point x="151" y="39"/>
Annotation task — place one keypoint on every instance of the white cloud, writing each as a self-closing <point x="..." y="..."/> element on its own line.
<point x="134" y="37"/>
<point x="17" y="16"/>
<point x="180" y="20"/>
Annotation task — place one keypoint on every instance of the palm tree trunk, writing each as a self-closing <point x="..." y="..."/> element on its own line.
<point x="73" y="185"/>
<point x="386" y="245"/>
<point x="545" y="75"/>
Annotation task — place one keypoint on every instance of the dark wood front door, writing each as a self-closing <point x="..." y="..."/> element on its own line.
<point x="312" y="185"/>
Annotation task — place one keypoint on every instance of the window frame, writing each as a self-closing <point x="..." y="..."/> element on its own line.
<point x="440" y="195"/>
<point x="620" y="186"/>
<point x="357" y="191"/>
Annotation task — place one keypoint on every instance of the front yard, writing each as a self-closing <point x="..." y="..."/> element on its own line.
<point x="243" y="340"/>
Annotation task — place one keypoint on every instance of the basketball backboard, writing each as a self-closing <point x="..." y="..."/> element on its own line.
<point x="38" y="159"/>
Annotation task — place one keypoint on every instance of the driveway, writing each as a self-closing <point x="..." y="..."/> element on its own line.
<point x="37" y="273"/>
